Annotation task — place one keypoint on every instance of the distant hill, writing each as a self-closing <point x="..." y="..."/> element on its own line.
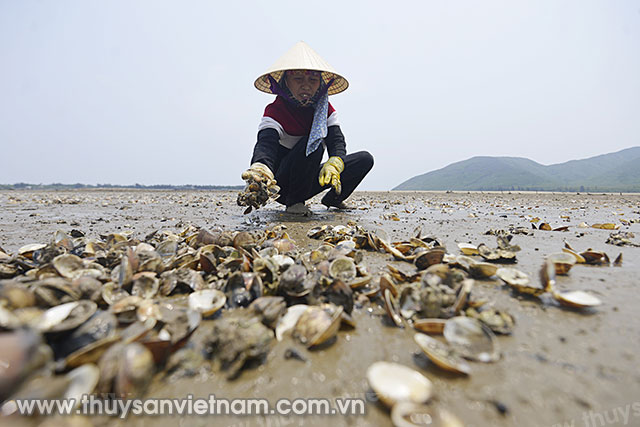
<point x="619" y="171"/>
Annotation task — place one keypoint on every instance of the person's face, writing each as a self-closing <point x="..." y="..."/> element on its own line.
<point x="303" y="84"/>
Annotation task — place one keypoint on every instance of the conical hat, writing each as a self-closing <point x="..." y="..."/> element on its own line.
<point x="302" y="57"/>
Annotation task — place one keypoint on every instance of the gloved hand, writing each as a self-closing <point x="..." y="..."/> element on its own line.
<point x="258" y="172"/>
<point x="330" y="173"/>
<point x="261" y="187"/>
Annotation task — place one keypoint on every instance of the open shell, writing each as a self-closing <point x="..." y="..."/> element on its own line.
<point x="407" y="414"/>
<point x="577" y="299"/>
<point x="499" y="321"/>
<point x="429" y="258"/>
<point x="289" y="320"/>
<point x="595" y="258"/>
<point x="482" y="270"/>
<point x="562" y="262"/>
<point x="207" y="301"/>
<point x="519" y="281"/>
<point x="318" y="324"/>
<point x="471" y="339"/>
<point x="468" y="249"/>
<point x="391" y="306"/>
<point x="343" y="268"/>
<point x="441" y="354"/>
<point x="394" y="383"/>
<point x="67" y="316"/>
<point x="579" y="258"/>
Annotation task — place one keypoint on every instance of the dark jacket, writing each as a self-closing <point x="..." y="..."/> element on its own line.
<point x="269" y="151"/>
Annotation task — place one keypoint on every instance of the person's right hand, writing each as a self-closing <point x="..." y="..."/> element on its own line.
<point x="261" y="187"/>
<point x="258" y="172"/>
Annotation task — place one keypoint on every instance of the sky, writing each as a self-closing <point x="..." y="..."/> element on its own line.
<point x="161" y="92"/>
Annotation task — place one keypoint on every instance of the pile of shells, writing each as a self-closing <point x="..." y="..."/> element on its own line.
<point x="106" y="315"/>
<point x="123" y="308"/>
<point x="258" y="191"/>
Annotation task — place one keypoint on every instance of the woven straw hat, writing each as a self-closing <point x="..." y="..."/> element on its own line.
<point x="302" y="57"/>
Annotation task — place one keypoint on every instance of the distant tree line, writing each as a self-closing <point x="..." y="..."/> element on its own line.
<point x="59" y="186"/>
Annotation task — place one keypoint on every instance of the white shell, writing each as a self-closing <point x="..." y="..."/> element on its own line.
<point x="394" y="383"/>
<point x="513" y="276"/>
<point x="468" y="248"/>
<point x="207" y="301"/>
<point x="578" y="299"/>
<point x="30" y="248"/>
<point x="407" y="414"/>
<point x="83" y="381"/>
<point x="55" y="315"/>
<point x="289" y="320"/>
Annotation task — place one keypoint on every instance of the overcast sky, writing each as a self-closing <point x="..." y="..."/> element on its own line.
<point x="161" y="92"/>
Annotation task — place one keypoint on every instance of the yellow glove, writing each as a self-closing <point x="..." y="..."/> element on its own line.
<point x="258" y="172"/>
<point x="330" y="173"/>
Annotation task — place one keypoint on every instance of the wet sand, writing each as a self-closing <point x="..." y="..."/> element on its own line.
<point x="558" y="365"/>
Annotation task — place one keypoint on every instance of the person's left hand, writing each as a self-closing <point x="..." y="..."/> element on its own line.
<point x="330" y="173"/>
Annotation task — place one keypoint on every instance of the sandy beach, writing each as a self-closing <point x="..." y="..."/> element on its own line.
<point x="559" y="366"/>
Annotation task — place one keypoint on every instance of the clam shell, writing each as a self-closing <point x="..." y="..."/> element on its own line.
<point x="207" y="301"/>
<point x="430" y="326"/>
<point x="67" y="316"/>
<point x="371" y="289"/>
<point x="284" y="245"/>
<point x="289" y="320"/>
<point x="343" y="268"/>
<point x="112" y="293"/>
<point x="463" y="295"/>
<point x="471" y="339"/>
<point x="595" y="258"/>
<point x="8" y="320"/>
<point x="513" y="276"/>
<point x="429" y="258"/>
<point x="394" y="383"/>
<point x="135" y="370"/>
<point x="547" y="276"/>
<point x="482" y="270"/>
<point x="577" y="299"/>
<point x="344" y="248"/>
<point x="28" y="250"/>
<point x="99" y="326"/>
<point x="90" y="353"/>
<point x="579" y="258"/>
<point x="145" y="285"/>
<point x="318" y="324"/>
<point x="519" y="281"/>
<point x="82" y="381"/>
<point x="67" y="264"/>
<point x="441" y="354"/>
<point x="499" y="321"/>
<point x="468" y="249"/>
<point x="386" y="282"/>
<point x="391" y="307"/>
<point x="562" y="262"/>
<point x="167" y="248"/>
<point x="291" y="281"/>
<point x="407" y="414"/>
<point x="359" y="282"/>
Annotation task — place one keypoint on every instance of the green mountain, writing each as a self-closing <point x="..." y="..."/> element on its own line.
<point x="619" y="171"/>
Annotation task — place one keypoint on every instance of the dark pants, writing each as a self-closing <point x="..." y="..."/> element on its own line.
<point x="297" y="174"/>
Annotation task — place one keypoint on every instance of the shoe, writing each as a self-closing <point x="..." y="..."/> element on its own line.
<point x="338" y="205"/>
<point x="299" y="209"/>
